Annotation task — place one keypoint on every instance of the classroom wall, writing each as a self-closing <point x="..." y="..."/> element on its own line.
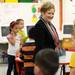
<point x="30" y="13"/>
<point x="68" y="14"/>
<point x="10" y="12"/>
<point x="27" y="11"/>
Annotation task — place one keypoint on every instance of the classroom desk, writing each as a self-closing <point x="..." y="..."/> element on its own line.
<point x="65" y="60"/>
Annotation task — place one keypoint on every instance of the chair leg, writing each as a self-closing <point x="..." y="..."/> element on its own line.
<point x="67" y="73"/>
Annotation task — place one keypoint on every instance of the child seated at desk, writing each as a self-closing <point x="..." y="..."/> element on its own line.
<point x="72" y="64"/>
<point x="46" y="62"/>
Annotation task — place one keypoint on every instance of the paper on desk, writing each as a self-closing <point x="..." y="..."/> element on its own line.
<point x="65" y="58"/>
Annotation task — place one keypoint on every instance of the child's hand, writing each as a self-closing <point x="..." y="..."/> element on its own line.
<point x="18" y="53"/>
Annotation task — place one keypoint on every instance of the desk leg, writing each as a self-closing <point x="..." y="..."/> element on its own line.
<point x="63" y="68"/>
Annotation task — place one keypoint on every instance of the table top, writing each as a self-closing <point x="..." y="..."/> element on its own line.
<point x="65" y="59"/>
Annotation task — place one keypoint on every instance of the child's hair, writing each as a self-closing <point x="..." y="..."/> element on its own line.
<point x="48" y="61"/>
<point x="12" y="24"/>
<point x="18" y="20"/>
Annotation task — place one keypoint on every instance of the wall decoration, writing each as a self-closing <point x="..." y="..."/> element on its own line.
<point x="36" y="12"/>
<point x="33" y="9"/>
<point x="34" y="18"/>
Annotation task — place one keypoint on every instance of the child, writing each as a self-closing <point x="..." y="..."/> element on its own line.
<point x="72" y="64"/>
<point x="46" y="62"/>
<point x="20" y="23"/>
<point x="13" y="46"/>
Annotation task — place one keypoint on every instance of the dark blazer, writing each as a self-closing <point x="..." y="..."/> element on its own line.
<point x="42" y="36"/>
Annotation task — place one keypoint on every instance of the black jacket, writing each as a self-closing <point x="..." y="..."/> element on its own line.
<point x="41" y="35"/>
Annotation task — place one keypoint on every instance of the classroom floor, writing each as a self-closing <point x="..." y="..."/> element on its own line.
<point x="3" y="69"/>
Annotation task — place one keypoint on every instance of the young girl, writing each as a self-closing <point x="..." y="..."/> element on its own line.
<point x="13" y="46"/>
<point x="20" y="23"/>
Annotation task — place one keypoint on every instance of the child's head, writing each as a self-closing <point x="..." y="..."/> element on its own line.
<point x="13" y="27"/>
<point x="20" y="23"/>
<point x="46" y="62"/>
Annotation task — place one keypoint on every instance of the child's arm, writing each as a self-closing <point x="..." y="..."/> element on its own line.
<point x="11" y="39"/>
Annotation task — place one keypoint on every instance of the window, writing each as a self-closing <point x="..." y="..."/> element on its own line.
<point x="67" y="29"/>
<point x="4" y="30"/>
